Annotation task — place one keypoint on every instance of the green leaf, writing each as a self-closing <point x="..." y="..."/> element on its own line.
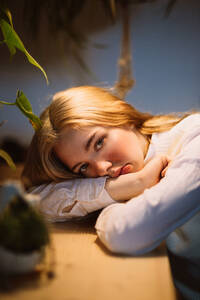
<point x="34" y="62"/>
<point x="8" y="159"/>
<point x="8" y="14"/>
<point x="24" y="105"/>
<point x="35" y="121"/>
<point x="23" y="101"/>
<point x="7" y="36"/>
<point x="13" y="41"/>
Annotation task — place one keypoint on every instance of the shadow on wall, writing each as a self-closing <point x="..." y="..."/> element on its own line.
<point x="15" y="149"/>
<point x="18" y="152"/>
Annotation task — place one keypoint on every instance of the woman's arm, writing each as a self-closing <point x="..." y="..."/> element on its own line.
<point x="69" y="199"/>
<point x="139" y="225"/>
<point x="79" y="197"/>
<point x="131" y="185"/>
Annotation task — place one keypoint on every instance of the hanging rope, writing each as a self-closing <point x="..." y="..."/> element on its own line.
<point x="125" y="79"/>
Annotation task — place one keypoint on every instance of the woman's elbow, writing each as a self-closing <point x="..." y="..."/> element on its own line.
<point x="117" y="236"/>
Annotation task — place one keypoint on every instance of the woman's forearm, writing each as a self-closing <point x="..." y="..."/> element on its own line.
<point x="130" y="185"/>
<point x="125" y="187"/>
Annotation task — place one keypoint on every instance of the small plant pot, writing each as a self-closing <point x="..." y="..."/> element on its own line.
<point x="18" y="263"/>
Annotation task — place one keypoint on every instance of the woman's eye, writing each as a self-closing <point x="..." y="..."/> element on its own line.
<point x="83" y="168"/>
<point x="99" y="143"/>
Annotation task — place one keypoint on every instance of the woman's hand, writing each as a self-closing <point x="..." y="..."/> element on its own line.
<point x="155" y="169"/>
<point x="163" y="173"/>
<point x="130" y="185"/>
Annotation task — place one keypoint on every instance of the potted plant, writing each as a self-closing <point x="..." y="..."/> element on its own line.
<point x="23" y="232"/>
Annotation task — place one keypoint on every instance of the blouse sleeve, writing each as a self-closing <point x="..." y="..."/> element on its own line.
<point x="141" y="224"/>
<point x="71" y="198"/>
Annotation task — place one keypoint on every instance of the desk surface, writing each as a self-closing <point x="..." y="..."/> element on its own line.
<point x="85" y="270"/>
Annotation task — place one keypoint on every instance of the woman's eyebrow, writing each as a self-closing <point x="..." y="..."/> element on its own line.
<point x="87" y="146"/>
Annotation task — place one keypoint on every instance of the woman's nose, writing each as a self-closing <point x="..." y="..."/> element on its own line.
<point x="102" y="167"/>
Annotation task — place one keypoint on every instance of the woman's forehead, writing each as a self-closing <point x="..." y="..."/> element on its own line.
<point x="72" y="137"/>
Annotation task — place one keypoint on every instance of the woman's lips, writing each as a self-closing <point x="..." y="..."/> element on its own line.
<point x="128" y="168"/>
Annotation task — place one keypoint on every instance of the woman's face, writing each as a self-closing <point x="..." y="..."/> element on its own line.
<point x="101" y="151"/>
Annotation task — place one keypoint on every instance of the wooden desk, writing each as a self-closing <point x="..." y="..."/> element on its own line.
<point x="85" y="270"/>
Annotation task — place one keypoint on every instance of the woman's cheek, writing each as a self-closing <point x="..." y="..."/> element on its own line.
<point x="116" y="155"/>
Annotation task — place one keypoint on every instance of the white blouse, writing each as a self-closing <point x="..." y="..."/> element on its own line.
<point x="140" y="224"/>
<point x="71" y="199"/>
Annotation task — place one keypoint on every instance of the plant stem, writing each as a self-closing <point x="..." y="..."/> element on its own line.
<point x="7" y="103"/>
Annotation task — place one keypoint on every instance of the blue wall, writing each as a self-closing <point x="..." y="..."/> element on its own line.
<point x="165" y="64"/>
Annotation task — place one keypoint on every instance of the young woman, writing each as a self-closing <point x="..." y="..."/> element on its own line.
<point x="95" y="150"/>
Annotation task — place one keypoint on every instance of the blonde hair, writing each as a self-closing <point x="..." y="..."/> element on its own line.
<point x="80" y="107"/>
